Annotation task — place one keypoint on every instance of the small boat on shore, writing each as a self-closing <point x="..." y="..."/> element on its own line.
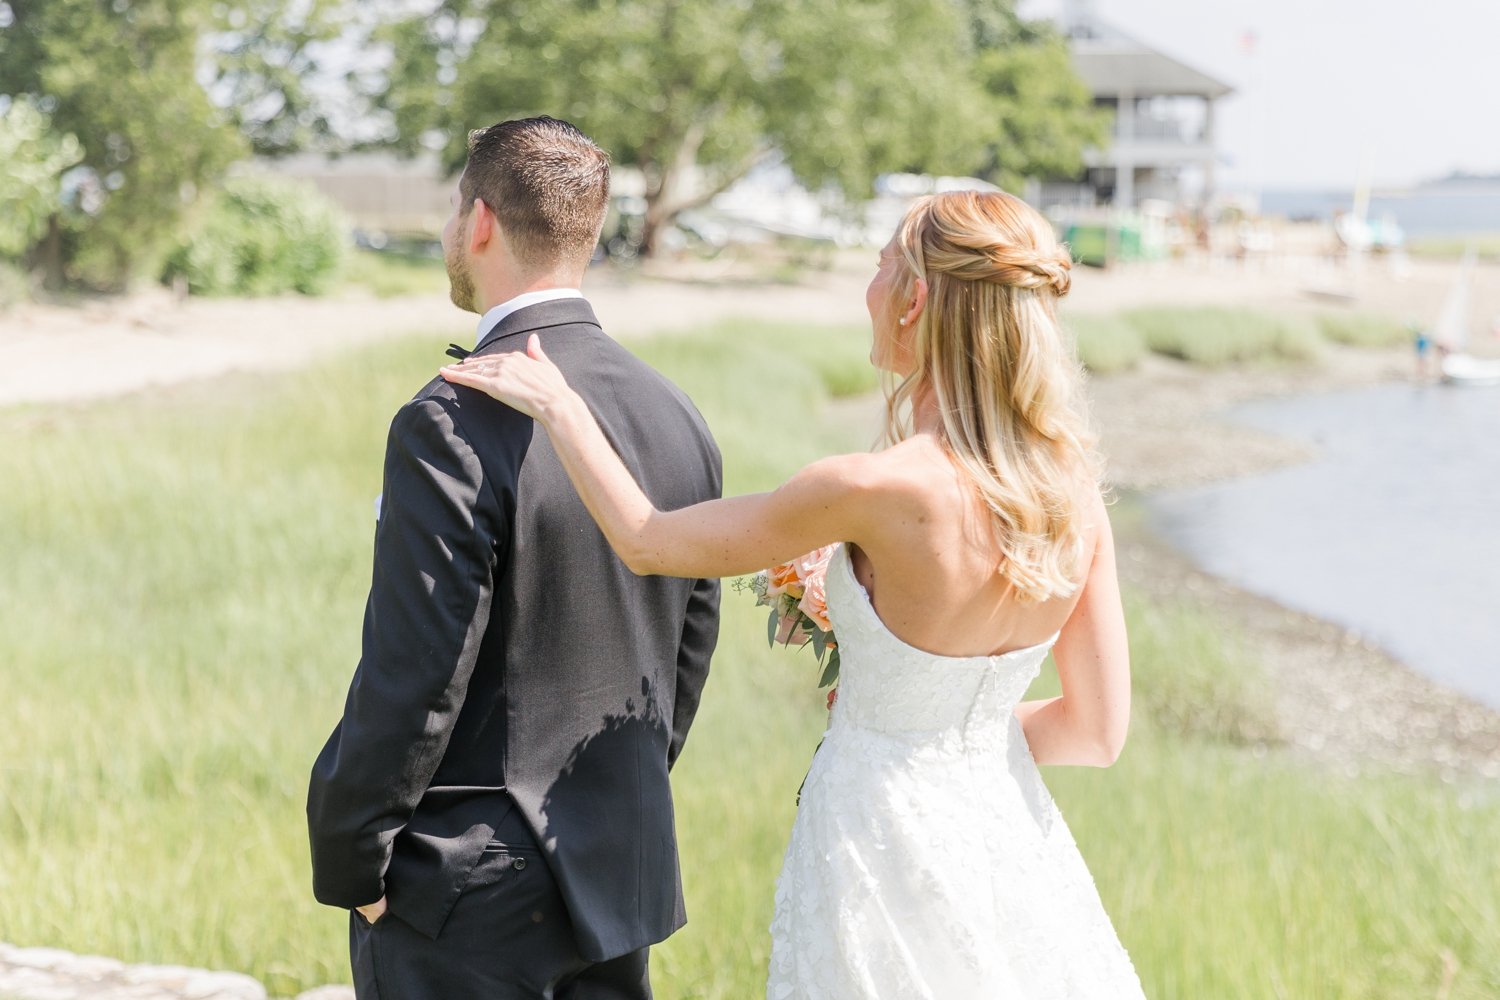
<point x="1451" y="334"/>
<point x="1465" y="369"/>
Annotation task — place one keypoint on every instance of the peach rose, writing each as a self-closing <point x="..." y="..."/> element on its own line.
<point x="814" y="602"/>
<point x="815" y="563"/>
<point x="780" y="580"/>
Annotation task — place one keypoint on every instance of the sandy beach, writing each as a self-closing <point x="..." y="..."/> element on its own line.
<point x="1338" y="700"/>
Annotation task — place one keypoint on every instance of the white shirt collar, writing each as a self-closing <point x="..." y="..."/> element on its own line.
<point x="492" y="318"/>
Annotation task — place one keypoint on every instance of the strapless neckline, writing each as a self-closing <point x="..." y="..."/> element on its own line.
<point x="866" y="606"/>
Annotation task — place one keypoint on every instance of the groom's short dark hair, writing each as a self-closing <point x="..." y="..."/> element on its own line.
<point x="546" y="182"/>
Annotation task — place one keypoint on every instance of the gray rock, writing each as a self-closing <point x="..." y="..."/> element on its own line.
<point x="53" y="974"/>
<point x="328" y="993"/>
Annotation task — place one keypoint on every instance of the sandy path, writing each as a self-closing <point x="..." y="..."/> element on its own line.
<point x="123" y="345"/>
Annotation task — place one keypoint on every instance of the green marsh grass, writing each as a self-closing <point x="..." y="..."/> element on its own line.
<point x="1106" y="344"/>
<point x="1364" y="329"/>
<point x="1486" y="246"/>
<point x="184" y="575"/>
<point x="1217" y="337"/>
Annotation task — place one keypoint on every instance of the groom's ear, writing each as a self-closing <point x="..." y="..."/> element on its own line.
<point x="482" y="228"/>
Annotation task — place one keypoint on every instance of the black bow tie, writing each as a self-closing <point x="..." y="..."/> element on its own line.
<point x="456" y="352"/>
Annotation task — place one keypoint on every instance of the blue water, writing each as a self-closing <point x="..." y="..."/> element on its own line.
<point x="1393" y="531"/>
<point x="1453" y="211"/>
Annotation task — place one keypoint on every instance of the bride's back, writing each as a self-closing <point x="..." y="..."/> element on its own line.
<point x="933" y="572"/>
<point x="989" y="498"/>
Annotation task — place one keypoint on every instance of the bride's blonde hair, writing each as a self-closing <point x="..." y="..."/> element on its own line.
<point x="989" y="350"/>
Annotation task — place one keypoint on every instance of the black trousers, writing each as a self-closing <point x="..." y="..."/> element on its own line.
<point x="508" y="938"/>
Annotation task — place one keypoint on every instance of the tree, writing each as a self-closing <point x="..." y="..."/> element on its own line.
<point x="844" y="89"/>
<point x="122" y="77"/>
<point x="1044" y="115"/>
<point x="277" y="72"/>
<point x="32" y="159"/>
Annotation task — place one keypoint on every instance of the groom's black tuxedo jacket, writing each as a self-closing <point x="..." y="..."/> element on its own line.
<point x="511" y="660"/>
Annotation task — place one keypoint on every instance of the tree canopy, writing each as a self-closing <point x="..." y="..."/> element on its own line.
<point x="844" y="90"/>
<point x="122" y="79"/>
<point x="160" y="96"/>
<point x="32" y="158"/>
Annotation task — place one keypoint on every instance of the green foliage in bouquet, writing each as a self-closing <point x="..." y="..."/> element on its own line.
<point x="788" y="624"/>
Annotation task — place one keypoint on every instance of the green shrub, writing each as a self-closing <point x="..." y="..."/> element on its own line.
<point x="261" y="236"/>
<point x="1217" y="337"/>
<point x="1363" y="329"/>
<point x="1106" y="344"/>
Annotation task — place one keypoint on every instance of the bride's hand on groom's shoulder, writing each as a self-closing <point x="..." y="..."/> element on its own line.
<point x="526" y="382"/>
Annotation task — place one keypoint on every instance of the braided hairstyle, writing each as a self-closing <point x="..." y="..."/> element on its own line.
<point x="988" y="349"/>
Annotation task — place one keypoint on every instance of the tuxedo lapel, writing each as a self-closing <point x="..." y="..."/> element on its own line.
<point x="555" y="312"/>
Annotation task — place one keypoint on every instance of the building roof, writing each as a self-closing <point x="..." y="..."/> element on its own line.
<point x="1113" y="63"/>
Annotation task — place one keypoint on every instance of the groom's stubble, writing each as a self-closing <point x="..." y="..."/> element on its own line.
<point x="460" y="276"/>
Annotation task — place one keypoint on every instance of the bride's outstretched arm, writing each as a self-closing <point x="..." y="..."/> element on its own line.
<point x="822" y="503"/>
<point x="1087" y="725"/>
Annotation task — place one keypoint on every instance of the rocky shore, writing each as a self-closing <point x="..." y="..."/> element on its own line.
<point x="53" y="974"/>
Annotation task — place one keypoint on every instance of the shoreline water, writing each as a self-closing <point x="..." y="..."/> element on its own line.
<point x="1339" y="699"/>
<point x="1388" y="530"/>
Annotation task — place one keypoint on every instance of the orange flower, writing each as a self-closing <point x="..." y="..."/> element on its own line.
<point x="780" y="578"/>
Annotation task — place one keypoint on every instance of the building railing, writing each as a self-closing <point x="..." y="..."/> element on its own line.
<point x="1150" y="128"/>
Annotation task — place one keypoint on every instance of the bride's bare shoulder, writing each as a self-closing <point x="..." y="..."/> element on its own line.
<point x="916" y="473"/>
<point x="906" y="469"/>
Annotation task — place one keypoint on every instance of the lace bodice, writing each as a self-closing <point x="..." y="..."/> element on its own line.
<point x="899" y="689"/>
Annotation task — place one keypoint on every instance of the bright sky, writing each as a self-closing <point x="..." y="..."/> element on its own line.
<point x="1414" y="85"/>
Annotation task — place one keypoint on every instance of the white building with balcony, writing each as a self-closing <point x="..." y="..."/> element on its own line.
<point x="1162" y="143"/>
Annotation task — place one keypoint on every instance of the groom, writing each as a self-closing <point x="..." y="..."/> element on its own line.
<point x="494" y="806"/>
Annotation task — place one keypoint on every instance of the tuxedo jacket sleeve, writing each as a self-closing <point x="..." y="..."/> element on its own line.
<point x="700" y="633"/>
<point x="428" y="609"/>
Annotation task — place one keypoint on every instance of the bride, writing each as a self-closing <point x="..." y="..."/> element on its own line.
<point x="927" y="858"/>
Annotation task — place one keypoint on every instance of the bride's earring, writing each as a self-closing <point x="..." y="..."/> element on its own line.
<point x="901" y="321"/>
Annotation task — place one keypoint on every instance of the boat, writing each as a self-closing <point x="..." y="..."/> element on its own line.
<point x="1451" y="335"/>
<point x="1465" y="369"/>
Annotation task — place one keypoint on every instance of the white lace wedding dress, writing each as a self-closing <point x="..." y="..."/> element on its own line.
<point x="928" y="859"/>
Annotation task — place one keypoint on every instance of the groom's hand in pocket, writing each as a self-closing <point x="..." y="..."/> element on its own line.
<point x="372" y="912"/>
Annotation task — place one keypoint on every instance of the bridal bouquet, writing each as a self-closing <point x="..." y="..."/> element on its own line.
<point x="794" y="591"/>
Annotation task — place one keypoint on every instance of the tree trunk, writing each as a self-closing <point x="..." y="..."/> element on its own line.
<point x="662" y="202"/>
<point x="53" y="276"/>
<point x="657" y="215"/>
